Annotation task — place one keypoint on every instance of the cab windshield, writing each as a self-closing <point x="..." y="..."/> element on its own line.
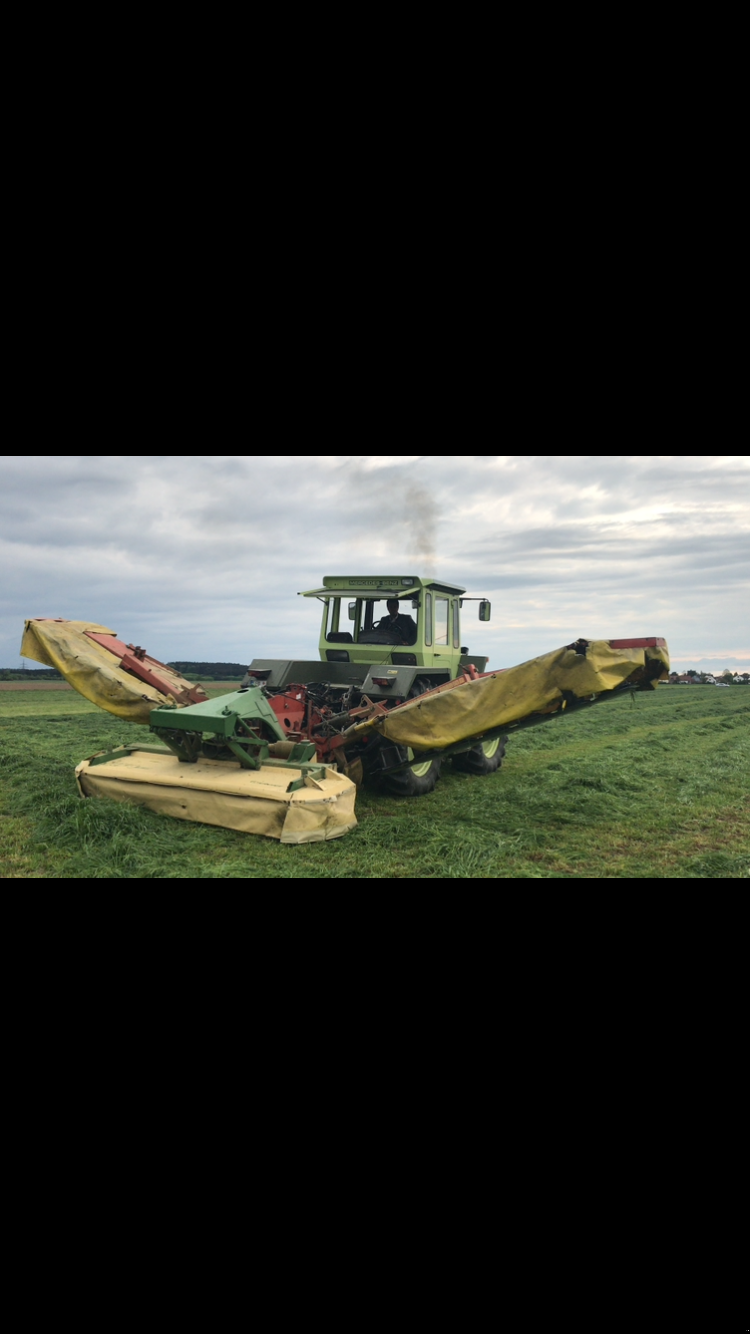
<point x="373" y="622"/>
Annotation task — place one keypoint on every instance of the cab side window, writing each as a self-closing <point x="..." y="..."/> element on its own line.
<point x="428" y="618"/>
<point x="333" y="616"/>
<point x="441" y="621"/>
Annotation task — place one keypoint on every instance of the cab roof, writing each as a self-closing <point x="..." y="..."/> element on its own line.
<point x="378" y="586"/>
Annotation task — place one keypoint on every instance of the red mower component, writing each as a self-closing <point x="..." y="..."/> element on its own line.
<point x="136" y="660"/>
<point x="290" y="708"/>
<point x="637" y="643"/>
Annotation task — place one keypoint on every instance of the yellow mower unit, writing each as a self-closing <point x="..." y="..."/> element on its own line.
<point x="290" y="804"/>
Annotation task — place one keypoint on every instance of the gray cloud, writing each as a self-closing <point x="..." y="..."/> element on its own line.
<point x="203" y="558"/>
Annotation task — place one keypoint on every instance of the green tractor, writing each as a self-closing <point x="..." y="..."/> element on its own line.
<point x="389" y="654"/>
<point x="304" y="732"/>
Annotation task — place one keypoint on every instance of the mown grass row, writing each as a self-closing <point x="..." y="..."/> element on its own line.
<point x="658" y="787"/>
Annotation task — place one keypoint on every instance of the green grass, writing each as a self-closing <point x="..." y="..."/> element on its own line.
<point x="656" y="787"/>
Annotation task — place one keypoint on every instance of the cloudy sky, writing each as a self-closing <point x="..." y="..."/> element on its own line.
<point x="202" y="559"/>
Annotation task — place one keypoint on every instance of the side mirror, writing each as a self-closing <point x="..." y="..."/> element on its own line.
<point x="414" y="604"/>
<point x="352" y="611"/>
<point x="484" y="610"/>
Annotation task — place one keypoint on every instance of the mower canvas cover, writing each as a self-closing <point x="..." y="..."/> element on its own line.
<point x="213" y="792"/>
<point x="94" y="671"/>
<point x="503" y="698"/>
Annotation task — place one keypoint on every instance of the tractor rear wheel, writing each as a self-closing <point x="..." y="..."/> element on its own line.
<point x="484" y="758"/>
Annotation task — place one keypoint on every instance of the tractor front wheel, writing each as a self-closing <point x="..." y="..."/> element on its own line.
<point x="416" y="781"/>
<point x="484" y="758"/>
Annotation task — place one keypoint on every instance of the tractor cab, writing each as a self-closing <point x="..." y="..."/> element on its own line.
<point x="424" y="630"/>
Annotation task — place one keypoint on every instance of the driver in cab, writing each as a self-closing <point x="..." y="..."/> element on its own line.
<point x="403" y="628"/>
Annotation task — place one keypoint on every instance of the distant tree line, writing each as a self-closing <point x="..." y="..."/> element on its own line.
<point x="710" y="678"/>
<point x="219" y="671"/>
<point x="199" y="671"/>
<point x="29" y="674"/>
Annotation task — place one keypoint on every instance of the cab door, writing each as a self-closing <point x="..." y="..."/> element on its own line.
<point x="442" y="630"/>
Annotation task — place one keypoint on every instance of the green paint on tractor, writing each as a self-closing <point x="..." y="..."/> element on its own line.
<point x="357" y="630"/>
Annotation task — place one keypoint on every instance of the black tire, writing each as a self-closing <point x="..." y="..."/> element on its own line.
<point x="416" y="781"/>
<point x="484" y="758"/>
<point x="420" y="685"/>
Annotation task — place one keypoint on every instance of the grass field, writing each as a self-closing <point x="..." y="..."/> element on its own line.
<point x="655" y="787"/>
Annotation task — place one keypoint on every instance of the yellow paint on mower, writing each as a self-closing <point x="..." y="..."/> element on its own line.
<point x="214" y="792"/>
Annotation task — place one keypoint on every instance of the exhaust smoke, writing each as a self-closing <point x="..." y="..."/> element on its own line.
<point x="420" y="520"/>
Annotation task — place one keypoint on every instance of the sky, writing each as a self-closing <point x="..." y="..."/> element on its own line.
<point x="201" y="559"/>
